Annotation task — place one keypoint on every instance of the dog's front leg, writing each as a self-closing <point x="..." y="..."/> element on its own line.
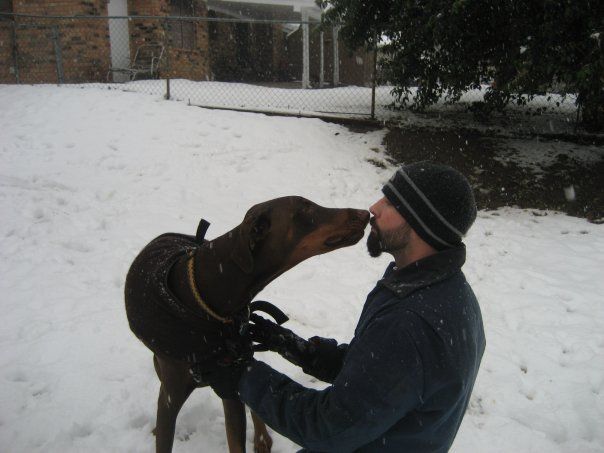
<point x="176" y="387"/>
<point x="235" y="423"/>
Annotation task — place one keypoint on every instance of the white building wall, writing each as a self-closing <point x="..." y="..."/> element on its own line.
<point x="119" y="38"/>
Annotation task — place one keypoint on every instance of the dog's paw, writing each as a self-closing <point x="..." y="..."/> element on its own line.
<point x="263" y="443"/>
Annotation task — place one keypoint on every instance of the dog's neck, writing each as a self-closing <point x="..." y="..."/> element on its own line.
<point x="223" y="285"/>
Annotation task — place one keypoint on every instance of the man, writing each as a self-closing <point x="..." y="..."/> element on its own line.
<point x="404" y="381"/>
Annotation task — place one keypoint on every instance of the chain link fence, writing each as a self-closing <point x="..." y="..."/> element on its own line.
<point x="269" y="65"/>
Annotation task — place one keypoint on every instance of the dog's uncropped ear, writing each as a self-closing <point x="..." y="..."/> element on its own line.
<point x="252" y="232"/>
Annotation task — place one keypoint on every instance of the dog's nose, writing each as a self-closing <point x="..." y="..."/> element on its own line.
<point x="361" y="215"/>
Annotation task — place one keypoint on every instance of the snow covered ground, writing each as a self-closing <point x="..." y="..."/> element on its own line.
<point x="88" y="177"/>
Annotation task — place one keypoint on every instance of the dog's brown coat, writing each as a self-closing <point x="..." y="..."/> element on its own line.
<point x="274" y="236"/>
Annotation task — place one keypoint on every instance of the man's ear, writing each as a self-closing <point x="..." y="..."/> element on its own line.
<point x="252" y="232"/>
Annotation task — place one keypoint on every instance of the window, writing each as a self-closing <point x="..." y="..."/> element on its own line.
<point x="181" y="33"/>
<point x="6" y="6"/>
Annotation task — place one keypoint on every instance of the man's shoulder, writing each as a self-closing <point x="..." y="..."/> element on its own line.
<point x="446" y="299"/>
<point x="419" y="289"/>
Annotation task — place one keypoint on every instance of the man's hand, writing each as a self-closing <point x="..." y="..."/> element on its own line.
<point x="224" y="374"/>
<point x="224" y="380"/>
<point x="319" y="357"/>
<point x="270" y="336"/>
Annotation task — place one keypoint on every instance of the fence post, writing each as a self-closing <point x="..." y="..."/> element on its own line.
<point x="373" y="81"/>
<point x="166" y="56"/>
<point x="58" y="57"/>
<point x="15" y="52"/>
<point x="322" y="63"/>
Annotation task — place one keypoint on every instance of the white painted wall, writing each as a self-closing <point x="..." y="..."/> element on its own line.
<point x="119" y="37"/>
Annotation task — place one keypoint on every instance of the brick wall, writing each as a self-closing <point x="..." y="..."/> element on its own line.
<point x="36" y="57"/>
<point x="46" y="47"/>
<point x="188" y="62"/>
<point x="81" y="48"/>
<point x="7" y="67"/>
<point x="144" y="31"/>
<point x="61" y="7"/>
<point x="224" y="51"/>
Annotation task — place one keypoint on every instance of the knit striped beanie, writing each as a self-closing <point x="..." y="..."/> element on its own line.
<point x="436" y="200"/>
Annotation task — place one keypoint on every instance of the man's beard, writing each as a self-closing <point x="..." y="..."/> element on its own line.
<point x="389" y="241"/>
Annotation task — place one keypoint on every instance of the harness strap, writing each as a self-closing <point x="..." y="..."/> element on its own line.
<point x="265" y="307"/>
<point x="197" y="296"/>
<point x="202" y="228"/>
<point x="270" y="309"/>
<point x="240" y="319"/>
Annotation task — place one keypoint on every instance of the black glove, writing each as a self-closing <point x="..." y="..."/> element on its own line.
<point x="224" y="373"/>
<point x="325" y="358"/>
<point x="270" y="336"/>
<point x="319" y="357"/>
<point x="224" y="379"/>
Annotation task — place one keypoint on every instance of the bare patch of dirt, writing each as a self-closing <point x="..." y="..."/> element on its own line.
<point x="501" y="175"/>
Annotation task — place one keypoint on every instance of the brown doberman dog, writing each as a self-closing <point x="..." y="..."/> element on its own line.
<point x="186" y="296"/>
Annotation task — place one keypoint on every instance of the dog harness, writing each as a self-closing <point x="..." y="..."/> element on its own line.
<point x="185" y="330"/>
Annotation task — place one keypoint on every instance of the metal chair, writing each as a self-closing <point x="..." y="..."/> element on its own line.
<point x="146" y="62"/>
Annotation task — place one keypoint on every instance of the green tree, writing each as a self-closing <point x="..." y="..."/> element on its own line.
<point x="445" y="47"/>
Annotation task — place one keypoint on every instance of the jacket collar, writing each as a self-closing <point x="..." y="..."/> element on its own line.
<point x="425" y="272"/>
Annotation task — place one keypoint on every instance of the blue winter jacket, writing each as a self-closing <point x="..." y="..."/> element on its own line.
<point x="405" y="379"/>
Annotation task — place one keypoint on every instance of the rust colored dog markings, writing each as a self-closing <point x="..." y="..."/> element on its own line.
<point x="181" y="318"/>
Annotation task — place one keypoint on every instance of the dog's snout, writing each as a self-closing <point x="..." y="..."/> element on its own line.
<point x="360" y="215"/>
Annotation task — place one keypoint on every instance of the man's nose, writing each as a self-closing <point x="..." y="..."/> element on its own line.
<point x="373" y="208"/>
